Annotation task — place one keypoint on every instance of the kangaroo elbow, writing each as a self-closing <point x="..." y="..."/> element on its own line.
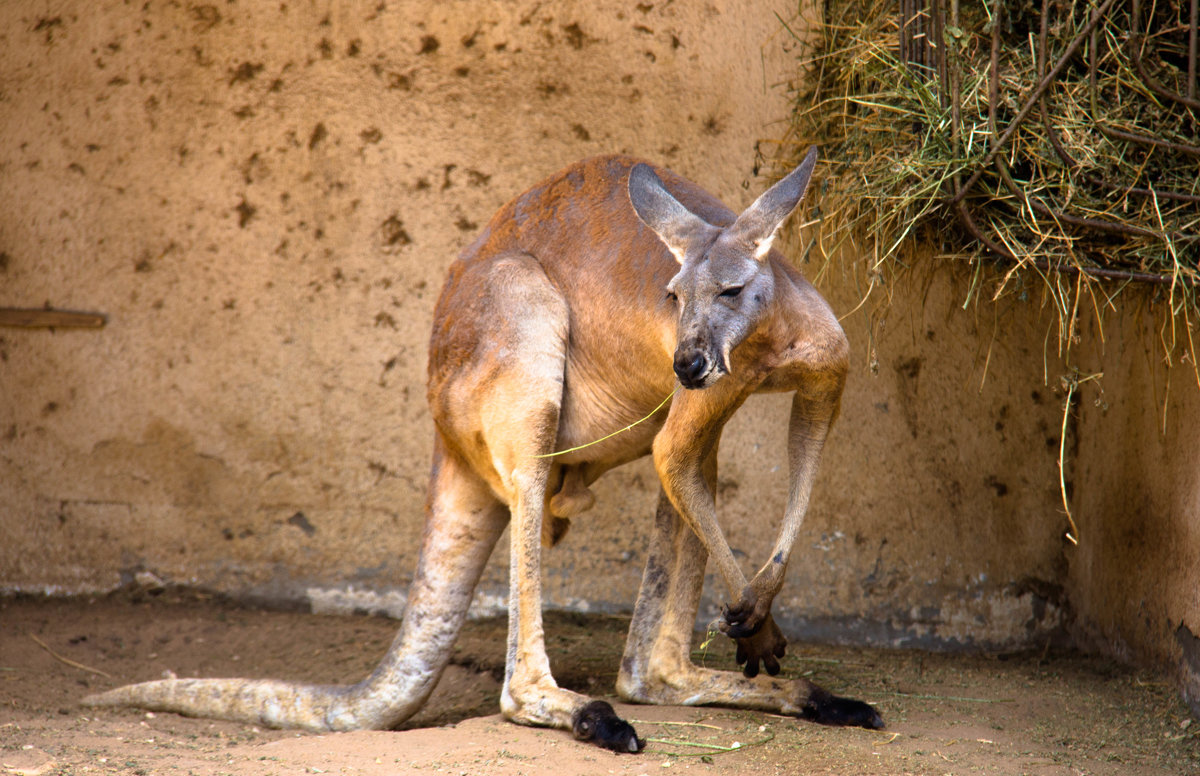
<point x="840" y="357"/>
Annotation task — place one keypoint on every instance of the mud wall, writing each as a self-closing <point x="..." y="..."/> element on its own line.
<point x="263" y="198"/>
<point x="1134" y="581"/>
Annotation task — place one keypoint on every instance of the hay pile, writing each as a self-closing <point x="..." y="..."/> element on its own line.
<point x="1057" y="139"/>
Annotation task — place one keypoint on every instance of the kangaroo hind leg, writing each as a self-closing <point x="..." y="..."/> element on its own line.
<point x="464" y="520"/>
<point x="518" y="400"/>
<point x="657" y="665"/>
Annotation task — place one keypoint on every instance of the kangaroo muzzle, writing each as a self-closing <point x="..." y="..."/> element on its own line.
<point x="695" y="368"/>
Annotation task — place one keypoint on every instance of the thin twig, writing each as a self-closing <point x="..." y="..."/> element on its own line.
<point x="676" y="742"/>
<point x="712" y="748"/>
<point x="675" y="724"/>
<point x="69" y="661"/>
<point x="952" y="698"/>
<point x="1071" y="382"/>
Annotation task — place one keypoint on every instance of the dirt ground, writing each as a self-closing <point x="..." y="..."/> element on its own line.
<point x="1037" y="714"/>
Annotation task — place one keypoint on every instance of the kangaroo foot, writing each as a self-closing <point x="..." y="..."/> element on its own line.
<point x="825" y="708"/>
<point x="598" y="723"/>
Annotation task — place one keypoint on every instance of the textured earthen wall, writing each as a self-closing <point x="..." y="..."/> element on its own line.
<point x="1134" y="581"/>
<point x="263" y="198"/>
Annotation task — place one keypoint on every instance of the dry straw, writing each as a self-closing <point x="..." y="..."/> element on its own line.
<point x="1057" y="141"/>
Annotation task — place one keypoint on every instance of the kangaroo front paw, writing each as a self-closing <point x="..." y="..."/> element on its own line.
<point x="767" y="645"/>
<point x="742" y="620"/>
<point x="758" y="638"/>
<point x="598" y="723"/>
<point x="826" y="708"/>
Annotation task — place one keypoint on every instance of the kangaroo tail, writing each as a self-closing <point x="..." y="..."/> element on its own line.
<point x="258" y="701"/>
<point x="462" y="527"/>
<point x="394" y="692"/>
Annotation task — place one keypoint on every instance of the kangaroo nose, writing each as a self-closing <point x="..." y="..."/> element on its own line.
<point x="690" y="368"/>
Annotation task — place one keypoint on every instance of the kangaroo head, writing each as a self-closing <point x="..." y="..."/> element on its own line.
<point x="725" y="284"/>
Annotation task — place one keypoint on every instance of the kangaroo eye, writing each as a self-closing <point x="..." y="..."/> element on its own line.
<point x="731" y="292"/>
<point x="671" y="297"/>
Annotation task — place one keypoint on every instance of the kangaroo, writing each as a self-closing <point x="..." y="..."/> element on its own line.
<point x="584" y="302"/>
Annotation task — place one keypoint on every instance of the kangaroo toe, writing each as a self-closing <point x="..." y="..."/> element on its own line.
<point x="598" y="722"/>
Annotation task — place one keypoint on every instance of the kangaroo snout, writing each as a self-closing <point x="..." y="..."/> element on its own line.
<point x="693" y="368"/>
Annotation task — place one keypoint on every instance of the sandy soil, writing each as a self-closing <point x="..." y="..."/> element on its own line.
<point x="1037" y="714"/>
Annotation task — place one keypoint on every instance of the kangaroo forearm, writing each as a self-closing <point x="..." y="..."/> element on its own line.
<point x="701" y="516"/>
<point x="808" y="428"/>
<point x="681" y="472"/>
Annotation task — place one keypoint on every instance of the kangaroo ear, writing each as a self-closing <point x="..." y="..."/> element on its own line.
<point x="674" y="224"/>
<point x="757" y="226"/>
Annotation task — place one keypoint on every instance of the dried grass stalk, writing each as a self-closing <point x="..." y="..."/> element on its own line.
<point x="1054" y="139"/>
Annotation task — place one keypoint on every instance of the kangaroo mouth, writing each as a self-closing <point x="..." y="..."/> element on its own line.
<point x="696" y="371"/>
<point x="713" y="376"/>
